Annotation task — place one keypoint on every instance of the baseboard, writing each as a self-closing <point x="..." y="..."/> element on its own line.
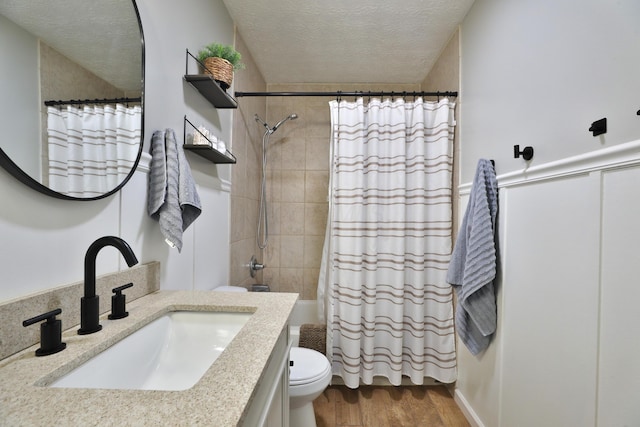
<point x="467" y="410"/>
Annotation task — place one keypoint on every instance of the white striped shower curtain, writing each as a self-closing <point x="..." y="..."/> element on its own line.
<point x="382" y="287"/>
<point x="92" y="149"/>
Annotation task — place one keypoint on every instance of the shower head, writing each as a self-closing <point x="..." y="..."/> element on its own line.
<point x="290" y="117"/>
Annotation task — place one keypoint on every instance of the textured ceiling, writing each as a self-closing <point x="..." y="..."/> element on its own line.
<point x="339" y="41"/>
<point x="102" y="36"/>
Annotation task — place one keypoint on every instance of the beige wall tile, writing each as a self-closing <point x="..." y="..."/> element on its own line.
<point x="293" y="186"/>
<point x="274" y="217"/>
<point x="315" y="219"/>
<point x="293" y="151"/>
<point x="292" y="219"/>
<point x="292" y="280"/>
<point x="316" y="184"/>
<point x="272" y="253"/>
<point x="291" y="251"/>
<point x="310" y="291"/>
<point x="313" y="251"/>
<point x="317" y="153"/>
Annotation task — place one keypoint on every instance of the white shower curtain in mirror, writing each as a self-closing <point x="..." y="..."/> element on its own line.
<point x="388" y="308"/>
<point x="92" y="148"/>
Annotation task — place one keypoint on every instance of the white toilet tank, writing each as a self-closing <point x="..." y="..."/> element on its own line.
<point x="229" y="289"/>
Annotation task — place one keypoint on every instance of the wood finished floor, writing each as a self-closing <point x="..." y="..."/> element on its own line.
<point x="385" y="406"/>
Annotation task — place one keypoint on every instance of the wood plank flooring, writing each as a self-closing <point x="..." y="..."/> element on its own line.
<point x="387" y="406"/>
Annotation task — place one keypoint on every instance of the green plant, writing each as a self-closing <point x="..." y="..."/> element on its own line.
<point x="218" y="50"/>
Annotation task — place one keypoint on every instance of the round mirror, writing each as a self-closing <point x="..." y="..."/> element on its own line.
<point x="72" y="80"/>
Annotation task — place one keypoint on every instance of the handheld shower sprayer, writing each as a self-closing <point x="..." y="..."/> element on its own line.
<point x="262" y="232"/>
<point x="271" y="130"/>
<point x="290" y="117"/>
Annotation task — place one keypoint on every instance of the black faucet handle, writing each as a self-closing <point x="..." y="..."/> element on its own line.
<point x="119" y="289"/>
<point x="50" y="332"/>
<point x="118" y="302"/>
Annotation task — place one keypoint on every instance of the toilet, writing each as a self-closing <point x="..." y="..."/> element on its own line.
<point x="309" y="376"/>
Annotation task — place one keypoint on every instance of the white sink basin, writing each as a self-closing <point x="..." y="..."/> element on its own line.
<point x="170" y="353"/>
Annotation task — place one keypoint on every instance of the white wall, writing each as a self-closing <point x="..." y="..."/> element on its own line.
<point x="44" y="240"/>
<point x="539" y="72"/>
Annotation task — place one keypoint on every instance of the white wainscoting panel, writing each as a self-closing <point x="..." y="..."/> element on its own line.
<point x="550" y="313"/>
<point x="619" y="367"/>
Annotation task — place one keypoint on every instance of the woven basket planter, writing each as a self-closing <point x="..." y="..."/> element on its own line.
<point x="221" y="69"/>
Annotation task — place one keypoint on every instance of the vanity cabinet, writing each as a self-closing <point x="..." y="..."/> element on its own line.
<point x="269" y="405"/>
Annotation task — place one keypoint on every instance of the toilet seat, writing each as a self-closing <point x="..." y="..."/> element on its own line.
<point x="308" y="366"/>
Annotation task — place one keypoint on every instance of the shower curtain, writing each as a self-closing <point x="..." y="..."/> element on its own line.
<point x="382" y="285"/>
<point x="92" y="148"/>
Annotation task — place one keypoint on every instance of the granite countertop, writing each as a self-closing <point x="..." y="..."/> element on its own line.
<point x="220" y="398"/>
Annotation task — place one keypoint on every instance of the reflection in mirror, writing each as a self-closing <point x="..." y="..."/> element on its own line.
<point x="57" y="51"/>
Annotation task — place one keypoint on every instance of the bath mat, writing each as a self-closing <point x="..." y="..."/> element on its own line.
<point x="314" y="336"/>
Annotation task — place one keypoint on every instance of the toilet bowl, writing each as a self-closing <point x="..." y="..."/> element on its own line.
<point x="309" y="376"/>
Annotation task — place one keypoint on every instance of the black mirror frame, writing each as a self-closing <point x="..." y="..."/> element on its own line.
<point x="22" y="176"/>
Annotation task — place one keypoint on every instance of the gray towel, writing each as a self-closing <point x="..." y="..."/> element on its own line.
<point x="173" y="200"/>
<point x="472" y="269"/>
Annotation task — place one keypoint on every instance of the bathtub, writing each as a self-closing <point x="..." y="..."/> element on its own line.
<point x="304" y="311"/>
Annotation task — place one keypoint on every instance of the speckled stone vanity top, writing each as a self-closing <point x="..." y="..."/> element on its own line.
<point x="220" y="398"/>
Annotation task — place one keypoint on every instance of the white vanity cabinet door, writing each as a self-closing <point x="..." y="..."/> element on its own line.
<point x="550" y="303"/>
<point x="270" y="401"/>
<point x="619" y="361"/>
<point x="278" y="415"/>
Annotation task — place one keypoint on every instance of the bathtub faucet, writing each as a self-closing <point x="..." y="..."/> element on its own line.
<point x="90" y="302"/>
<point x="254" y="266"/>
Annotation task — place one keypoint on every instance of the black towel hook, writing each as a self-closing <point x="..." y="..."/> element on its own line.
<point x="527" y="152"/>
<point x="599" y="127"/>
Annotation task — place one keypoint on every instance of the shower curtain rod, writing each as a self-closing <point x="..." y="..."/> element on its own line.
<point x="355" y="93"/>
<point x="91" y="101"/>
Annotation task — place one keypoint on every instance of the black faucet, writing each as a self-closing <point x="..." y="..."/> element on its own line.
<point x="90" y="302"/>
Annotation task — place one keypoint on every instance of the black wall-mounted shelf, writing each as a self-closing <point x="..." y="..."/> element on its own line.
<point x="207" y="86"/>
<point x="204" y="150"/>
<point x="210" y="153"/>
<point x="211" y="90"/>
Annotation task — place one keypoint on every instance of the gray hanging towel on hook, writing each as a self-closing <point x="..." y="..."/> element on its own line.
<point x="472" y="269"/>
<point x="172" y="200"/>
